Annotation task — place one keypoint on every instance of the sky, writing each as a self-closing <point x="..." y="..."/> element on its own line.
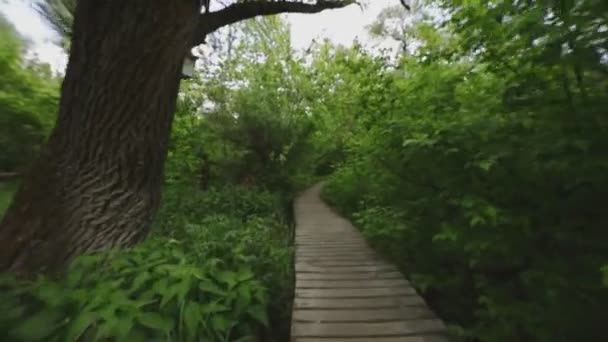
<point x="341" y="26"/>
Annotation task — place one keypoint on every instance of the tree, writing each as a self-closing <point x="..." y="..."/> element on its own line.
<point x="60" y="15"/>
<point x="478" y="168"/>
<point x="27" y="102"/>
<point x="399" y="22"/>
<point x="97" y="183"/>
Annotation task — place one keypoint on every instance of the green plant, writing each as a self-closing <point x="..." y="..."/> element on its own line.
<point x="482" y="173"/>
<point x="153" y="291"/>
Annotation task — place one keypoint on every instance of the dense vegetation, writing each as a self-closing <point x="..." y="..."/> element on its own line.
<point x="28" y="101"/>
<point x="474" y="159"/>
<point x="478" y="165"/>
<point x="218" y="264"/>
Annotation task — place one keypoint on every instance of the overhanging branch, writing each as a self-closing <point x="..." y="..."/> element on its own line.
<point x="209" y="22"/>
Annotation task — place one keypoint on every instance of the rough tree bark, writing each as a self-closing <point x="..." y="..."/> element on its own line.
<point x="97" y="183"/>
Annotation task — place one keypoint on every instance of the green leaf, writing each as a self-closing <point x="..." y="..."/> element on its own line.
<point x="214" y="307"/>
<point x="245" y="274"/>
<point x="182" y="289"/>
<point x="161" y="285"/>
<point x="246" y="339"/>
<point x="51" y="294"/>
<point x="79" y="325"/>
<point x="136" y="335"/>
<point x="244" y="296"/>
<point x="486" y="164"/>
<point x="192" y="317"/>
<point x="156" y="321"/>
<point x="209" y="286"/>
<point x="258" y="312"/>
<point x="229" y="278"/>
<point x="139" y="280"/>
<point x="220" y="323"/>
<point x="476" y="220"/>
<point x="39" y="326"/>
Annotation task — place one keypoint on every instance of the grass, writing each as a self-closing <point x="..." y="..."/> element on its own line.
<point x="6" y="195"/>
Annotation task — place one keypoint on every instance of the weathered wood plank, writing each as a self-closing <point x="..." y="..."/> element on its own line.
<point x="306" y="267"/>
<point x="418" y="338"/>
<point x="321" y="250"/>
<point x="343" y="262"/>
<point x="356" y="292"/>
<point x="402" y="328"/>
<point x="344" y="291"/>
<point x="362" y="284"/>
<point x="357" y="303"/>
<point x="372" y="315"/>
<point x="349" y="276"/>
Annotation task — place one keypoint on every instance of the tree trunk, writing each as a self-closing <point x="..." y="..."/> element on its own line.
<point x="8" y="176"/>
<point x="97" y="183"/>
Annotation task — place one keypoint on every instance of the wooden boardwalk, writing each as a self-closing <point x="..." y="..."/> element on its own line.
<point x="344" y="291"/>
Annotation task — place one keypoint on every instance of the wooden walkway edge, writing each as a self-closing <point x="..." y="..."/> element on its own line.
<point x="345" y="291"/>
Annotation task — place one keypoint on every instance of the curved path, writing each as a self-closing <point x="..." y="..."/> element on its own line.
<point x="345" y="291"/>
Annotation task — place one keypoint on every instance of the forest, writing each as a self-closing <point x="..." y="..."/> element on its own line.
<point x="473" y="156"/>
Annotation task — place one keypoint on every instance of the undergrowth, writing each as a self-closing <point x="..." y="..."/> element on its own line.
<point x="217" y="268"/>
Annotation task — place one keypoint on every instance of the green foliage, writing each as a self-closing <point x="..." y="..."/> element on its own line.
<point x="154" y="291"/>
<point x="182" y="205"/>
<point x="250" y="126"/>
<point x="215" y="279"/>
<point x="476" y="163"/>
<point x="218" y="266"/>
<point x="484" y="174"/>
<point x="344" y="83"/>
<point x="28" y="102"/>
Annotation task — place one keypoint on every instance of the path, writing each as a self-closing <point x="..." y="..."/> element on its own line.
<point x="344" y="291"/>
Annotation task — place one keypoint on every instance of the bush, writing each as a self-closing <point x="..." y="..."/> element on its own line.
<point x="151" y="292"/>
<point x="493" y="212"/>
<point x="218" y="278"/>
<point x="183" y="205"/>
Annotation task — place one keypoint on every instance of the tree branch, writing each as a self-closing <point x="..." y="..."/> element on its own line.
<point x="210" y="22"/>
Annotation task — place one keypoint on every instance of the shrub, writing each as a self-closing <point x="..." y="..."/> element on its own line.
<point x="218" y="278"/>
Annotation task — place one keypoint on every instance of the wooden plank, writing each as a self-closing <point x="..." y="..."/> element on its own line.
<point x="338" y="254"/>
<point x="357" y="303"/>
<point x="349" y="276"/>
<point x="402" y="328"/>
<point x="371" y="315"/>
<point x="355" y="292"/>
<point x="328" y="245"/>
<point x="344" y="291"/>
<point x="308" y="268"/>
<point x="343" y="263"/>
<point x="415" y="338"/>
<point x="323" y="244"/>
<point x="361" y="284"/>
<point x="316" y="249"/>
